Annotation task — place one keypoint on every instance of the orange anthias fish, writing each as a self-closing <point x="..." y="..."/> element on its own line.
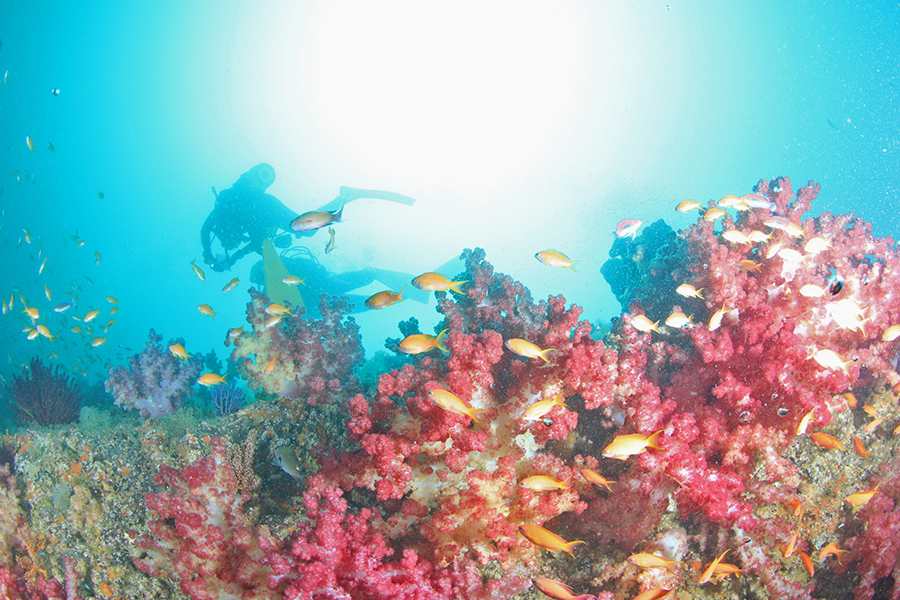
<point x="452" y="403"/>
<point x="421" y="342"/>
<point x="270" y="366"/>
<point x="557" y="590"/>
<point x="548" y="540"/>
<point x="831" y="549"/>
<point x="860" y="499"/>
<point x="527" y="349"/>
<point x="384" y="299"/>
<point x="540" y="408"/>
<point x="624" y="446"/>
<point x="552" y="258"/>
<point x="210" y="379"/>
<point x="91" y="316"/>
<point x="278" y="309"/>
<point x="708" y="573"/>
<point x="231" y="285"/>
<point x="826" y="441"/>
<point x="207" y="310"/>
<point x="652" y="561"/>
<point x="316" y="219"/>
<point x="543" y="483"/>
<point x="198" y="271"/>
<point x="97" y="341"/>
<point x="596" y="478"/>
<point x="652" y="594"/>
<point x="435" y="282"/>
<point x="179" y="351"/>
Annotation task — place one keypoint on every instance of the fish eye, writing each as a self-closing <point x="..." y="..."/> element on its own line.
<point x="783" y="412"/>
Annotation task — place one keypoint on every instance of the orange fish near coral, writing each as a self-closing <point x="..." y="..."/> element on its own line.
<point x="435" y="282"/>
<point x="207" y="310"/>
<point x="831" y="549"/>
<point x="210" y="379"/>
<point x="860" y="499"/>
<point x="553" y="258"/>
<point x="624" y="446"/>
<point x="708" y="573"/>
<point x="527" y="349"/>
<point x="543" y="483"/>
<point x="384" y="299"/>
<point x="452" y="403"/>
<point x="652" y="561"/>
<point x="231" y="285"/>
<point x="826" y="441"/>
<point x="540" y="408"/>
<point x="179" y="351"/>
<point x="557" y="590"/>
<point x="596" y="478"/>
<point x="421" y="342"/>
<point x="548" y="540"/>
<point x="654" y="594"/>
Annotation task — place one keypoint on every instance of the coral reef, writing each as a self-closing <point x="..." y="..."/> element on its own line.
<point x="156" y="382"/>
<point x="298" y="357"/>
<point x="43" y="395"/>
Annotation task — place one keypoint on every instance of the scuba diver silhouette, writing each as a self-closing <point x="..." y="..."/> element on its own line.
<point x="245" y="218"/>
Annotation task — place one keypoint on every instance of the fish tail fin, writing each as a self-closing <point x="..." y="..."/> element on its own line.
<point x="338" y="214"/>
<point x="569" y="546"/>
<point x="439" y="340"/>
<point x="472" y="414"/>
<point x="698" y="293"/>
<point x="651" y="441"/>
<point x="669" y="566"/>
<point x="571" y="265"/>
<point x="400" y="294"/>
<point x="454" y="285"/>
<point x="545" y="359"/>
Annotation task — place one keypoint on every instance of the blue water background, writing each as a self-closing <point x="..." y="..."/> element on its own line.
<point x="517" y="126"/>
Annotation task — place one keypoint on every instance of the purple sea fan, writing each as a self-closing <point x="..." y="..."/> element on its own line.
<point x="43" y="396"/>
<point x="227" y="399"/>
<point x="157" y="382"/>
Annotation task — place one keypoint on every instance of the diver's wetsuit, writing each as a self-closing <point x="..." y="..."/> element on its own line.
<point x="242" y="215"/>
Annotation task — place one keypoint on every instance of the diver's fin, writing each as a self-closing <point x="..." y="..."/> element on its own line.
<point x="348" y="194"/>
<point x="275" y="271"/>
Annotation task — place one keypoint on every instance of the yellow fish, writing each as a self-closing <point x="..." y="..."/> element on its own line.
<point x="207" y="310"/>
<point x="543" y="483"/>
<point x="686" y="205"/>
<point x="273" y="321"/>
<point x="112" y="299"/>
<point x="552" y="258"/>
<point x="642" y="323"/>
<point x="435" y="282"/>
<point x="540" y="408"/>
<point x="278" y="309"/>
<point x="316" y="219"/>
<point x="860" y="499"/>
<point x="548" y="540"/>
<point x="179" y="351"/>
<point x="231" y="285"/>
<point x="30" y="143"/>
<point x="210" y="379"/>
<point x="624" y="446"/>
<point x="47" y="291"/>
<point x="97" y="257"/>
<point x="330" y="245"/>
<point x="270" y="366"/>
<point x="291" y="280"/>
<point x="452" y="403"/>
<point x="651" y="561"/>
<point x="91" y="316"/>
<point x="689" y="291"/>
<point x="527" y="349"/>
<point x="45" y="332"/>
<point x="98" y="341"/>
<point x="235" y="332"/>
<point x="32" y="312"/>
<point x="384" y="299"/>
<point x="198" y="271"/>
<point x="421" y="342"/>
<point x="708" y="573"/>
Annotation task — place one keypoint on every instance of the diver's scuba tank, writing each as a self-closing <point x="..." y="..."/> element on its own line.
<point x="258" y="178"/>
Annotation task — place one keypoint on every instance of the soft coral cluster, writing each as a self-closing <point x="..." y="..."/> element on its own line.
<point x="455" y="484"/>
<point x="156" y="382"/>
<point x="299" y="357"/>
<point x="730" y="400"/>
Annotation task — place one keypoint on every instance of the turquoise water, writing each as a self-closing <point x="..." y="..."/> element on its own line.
<point x="514" y="128"/>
